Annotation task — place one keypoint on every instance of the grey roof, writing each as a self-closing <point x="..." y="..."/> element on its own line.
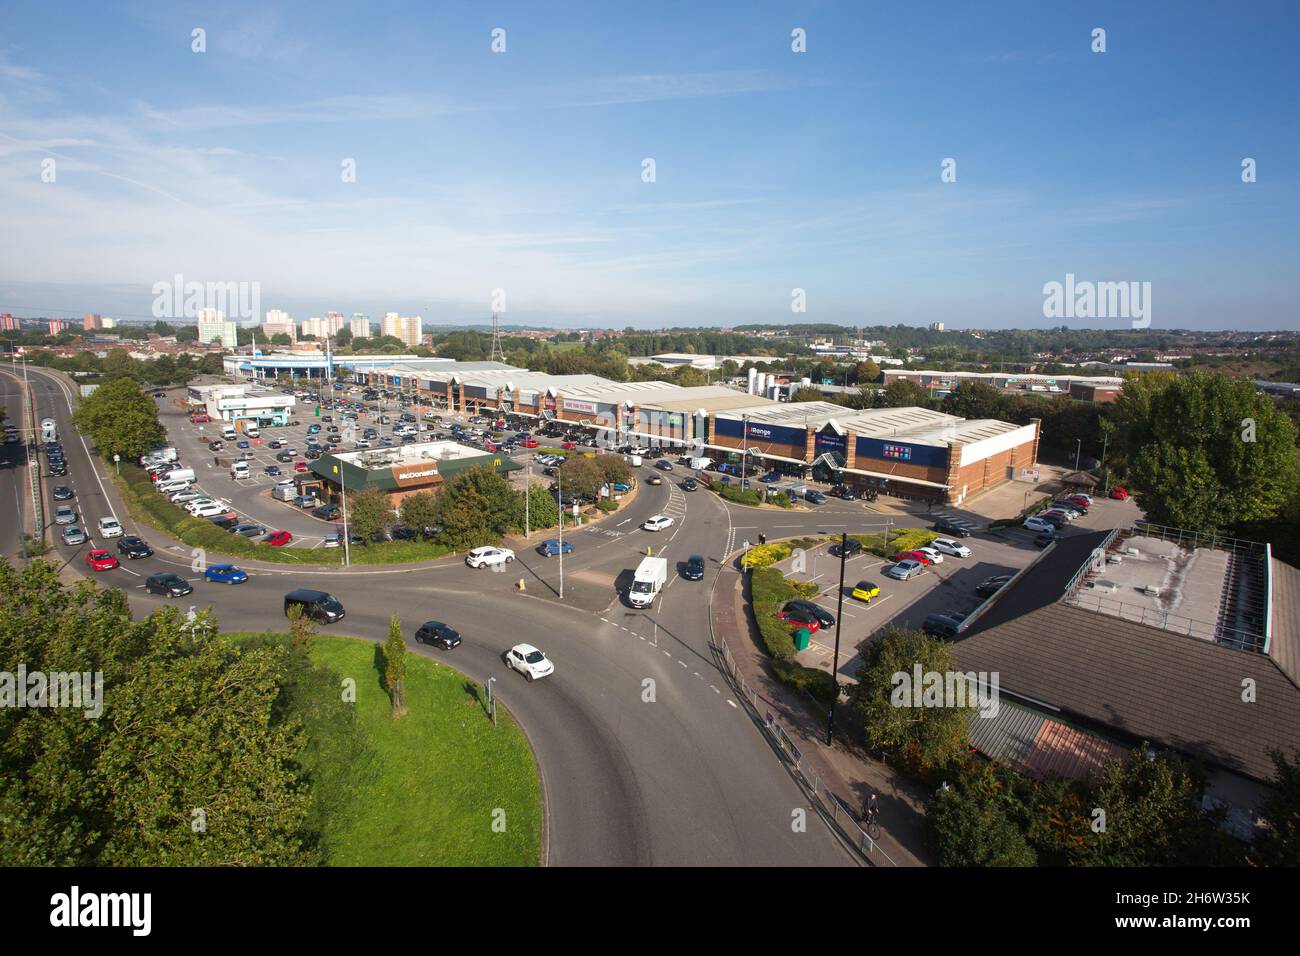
<point x="1173" y="690"/>
<point x="1284" y="639"/>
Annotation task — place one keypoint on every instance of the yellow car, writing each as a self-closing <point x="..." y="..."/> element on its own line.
<point x="865" y="591"/>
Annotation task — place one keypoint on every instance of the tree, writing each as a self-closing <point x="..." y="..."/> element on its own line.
<point x="806" y="394"/>
<point x="542" y="511"/>
<point x="866" y="371"/>
<point x="281" y="338"/>
<point x="190" y="762"/>
<point x="120" y="419"/>
<point x="923" y="735"/>
<point x="344" y="338"/>
<point x="395" y="666"/>
<point x="477" y="507"/>
<point x="972" y="828"/>
<point x="419" y="510"/>
<point x="614" y="468"/>
<point x="582" y="477"/>
<point x="1214" y="454"/>
<point x="187" y="333"/>
<point x="973" y="399"/>
<point x="369" y="512"/>
<point x="1280" y="843"/>
<point x="901" y="393"/>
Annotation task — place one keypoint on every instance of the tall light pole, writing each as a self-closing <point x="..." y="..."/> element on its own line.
<point x="347" y="530"/>
<point x="528" y="475"/>
<point x="1078" y="453"/>
<point x="835" y="663"/>
<point x="559" y="494"/>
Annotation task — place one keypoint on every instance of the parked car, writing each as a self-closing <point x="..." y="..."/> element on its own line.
<point x="133" y="546"/>
<point x="437" y="634"/>
<point x="489" y="556"/>
<point x="918" y="556"/>
<point x="1069" y="510"/>
<point x="209" y="509"/>
<point x="949" y="526"/>
<point x="1037" y="524"/>
<point x="300" y="466"/>
<point x="942" y="625"/>
<point x="799" y="619"/>
<point x="225" y="574"/>
<point x="824" y="617"/>
<point x="657" y="523"/>
<point x="278" y="539"/>
<point x="306" y="501"/>
<point x="271" y="471"/>
<point x="950" y="547"/>
<point x="327" y="512"/>
<point x="101" y="560"/>
<point x="248" y="530"/>
<point x="529" y="661"/>
<point x="226" y="521"/>
<point x="905" y="569"/>
<point x="844" y="492"/>
<point x="771" y="478"/>
<point x="1118" y="493"/>
<point x="1044" y="538"/>
<point x="865" y="591"/>
<point x="934" y="555"/>
<point x="552" y="546"/>
<point x="991" y="586"/>
<point x="851" y="547"/>
<point x="168" y="584"/>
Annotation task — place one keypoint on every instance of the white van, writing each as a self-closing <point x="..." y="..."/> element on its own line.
<point x="228" y="432"/>
<point x="700" y="464"/>
<point x="252" y="431"/>
<point x="239" y="470"/>
<point x="650" y="577"/>
<point x="178" y="474"/>
<point x="284" y="492"/>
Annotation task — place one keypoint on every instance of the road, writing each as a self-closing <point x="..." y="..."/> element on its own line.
<point x="13" y="472"/>
<point x="680" y="777"/>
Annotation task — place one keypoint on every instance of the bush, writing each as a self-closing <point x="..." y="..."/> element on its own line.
<point x="769" y="590"/>
<point x="781" y="499"/>
<point x="606" y="505"/>
<point x="736" y="495"/>
<point x="766" y="555"/>
<point x="819" y="683"/>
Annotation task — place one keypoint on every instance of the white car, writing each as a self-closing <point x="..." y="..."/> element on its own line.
<point x="197" y="502"/>
<point x="657" y="523"/>
<point x="181" y="497"/>
<point x="934" y="556"/>
<point x="210" y="509"/>
<point x="950" y="547"/>
<point x="529" y="661"/>
<point x="486" y="557"/>
<point x="109" y="528"/>
<point x="1037" y="524"/>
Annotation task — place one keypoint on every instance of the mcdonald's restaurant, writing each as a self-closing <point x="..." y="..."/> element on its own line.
<point x="402" y="470"/>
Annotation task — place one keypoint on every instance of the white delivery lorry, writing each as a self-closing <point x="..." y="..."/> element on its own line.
<point x="700" y="464"/>
<point x="650" y="578"/>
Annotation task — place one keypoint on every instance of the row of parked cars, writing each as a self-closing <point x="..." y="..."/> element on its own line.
<point x="1059" y="514"/>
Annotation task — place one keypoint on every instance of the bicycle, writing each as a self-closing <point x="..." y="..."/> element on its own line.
<point x="871" y="819"/>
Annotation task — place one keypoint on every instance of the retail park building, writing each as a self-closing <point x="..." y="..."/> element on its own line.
<point x="905" y="452"/>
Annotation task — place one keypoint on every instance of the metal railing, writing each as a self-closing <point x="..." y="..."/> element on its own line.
<point x="834" y="809"/>
<point x="1200" y="539"/>
<point x="1177" y="623"/>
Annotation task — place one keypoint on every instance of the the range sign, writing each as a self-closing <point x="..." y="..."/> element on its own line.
<point x="417" y="474"/>
<point x="573" y="405"/>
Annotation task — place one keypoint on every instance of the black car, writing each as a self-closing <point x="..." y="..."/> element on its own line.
<point x="224" y="522"/>
<point x="814" y="497"/>
<point x="948" y="526"/>
<point x="326" y="512"/>
<point x="942" y="625"/>
<point x="167" y="584"/>
<point x="852" y="548"/>
<point x="1056" y="521"/>
<point x="689" y="484"/>
<point x="437" y="634"/>
<point x="403" y="533"/>
<point x="844" y="492"/>
<point x="133" y="546"/>
<point x="316" y="605"/>
<point x="663" y="464"/>
<point x="284" y="456"/>
<point x="991" y="586"/>
<point x="59" y="469"/>
<point x="822" y="616"/>
<point x="62" y="493"/>
<point x="693" y="570"/>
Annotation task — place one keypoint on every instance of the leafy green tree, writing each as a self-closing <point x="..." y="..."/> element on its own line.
<point x="1280" y="843"/>
<point x="1214" y="454"/>
<point x="900" y="393"/>
<point x="344" y="338"/>
<point x="281" y="338"/>
<point x="614" y="468"/>
<point x="581" y="476"/>
<point x="369" y="512"/>
<point x="187" y="333"/>
<point x="924" y="736"/>
<point x="189" y="763"/>
<point x="808" y="394"/>
<point x="395" y="666"/>
<point x="477" y="507"/>
<point x="974" y="829"/>
<point x="973" y="399"/>
<point x="120" y="419"/>
<point x="419" y="510"/>
<point x="542" y="510"/>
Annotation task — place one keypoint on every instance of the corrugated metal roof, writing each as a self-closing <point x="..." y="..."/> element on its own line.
<point x="1039" y="744"/>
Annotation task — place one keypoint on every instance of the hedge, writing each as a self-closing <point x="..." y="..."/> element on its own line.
<point x="737" y="495"/>
<point x="819" y="683"/>
<point x="606" y="505"/>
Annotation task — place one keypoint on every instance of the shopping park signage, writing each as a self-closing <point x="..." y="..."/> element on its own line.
<point x="573" y="405"/>
<point x="927" y="455"/>
<point x="776" y="434"/>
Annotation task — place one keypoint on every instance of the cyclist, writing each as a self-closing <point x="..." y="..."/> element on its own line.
<point x="873" y="811"/>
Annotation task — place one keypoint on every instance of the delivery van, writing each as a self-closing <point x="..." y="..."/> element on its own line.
<point x="700" y="464"/>
<point x="239" y="470"/>
<point x="252" y="431"/>
<point x="228" y="432"/>
<point x="178" y="474"/>
<point x="650" y="577"/>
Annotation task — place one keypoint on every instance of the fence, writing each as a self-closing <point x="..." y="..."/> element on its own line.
<point x="834" y="809"/>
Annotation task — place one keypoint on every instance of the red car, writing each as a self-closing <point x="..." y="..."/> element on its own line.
<point x="529" y="443"/>
<point x="913" y="555"/>
<point x="299" y="466"/>
<point x="1118" y="493"/>
<point x="491" y="446"/>
<point x="199" y="418"/>
<point x="799" y="619"/>
<point x="101" y="560"/>
<point x="568" y="446"/>
<point x="278" y="539"/>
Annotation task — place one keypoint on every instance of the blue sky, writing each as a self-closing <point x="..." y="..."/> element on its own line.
<point x="774" y="170"/>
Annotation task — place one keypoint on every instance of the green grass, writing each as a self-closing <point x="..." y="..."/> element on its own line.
<point x="434" y="778"/>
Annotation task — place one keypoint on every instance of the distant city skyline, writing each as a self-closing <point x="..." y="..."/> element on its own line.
<point x="671" y="165"/>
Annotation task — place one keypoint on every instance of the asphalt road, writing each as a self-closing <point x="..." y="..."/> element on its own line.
<point x="684" y="778"/>
<point x="13" y="460"/>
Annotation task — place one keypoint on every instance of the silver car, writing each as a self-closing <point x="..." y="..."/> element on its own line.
<point x="73" y="535"/>
<point x="65" y="514"/>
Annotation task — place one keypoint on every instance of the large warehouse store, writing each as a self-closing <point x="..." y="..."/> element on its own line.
<point x="904" y="452"/>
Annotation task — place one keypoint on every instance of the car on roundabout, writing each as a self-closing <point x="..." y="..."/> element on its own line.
<point x="437" y="634"/>
<point x="225" y="574"/>
<point x="552" y="546"/>
<point x="657" y="523"/>
<point x="487" y="557"/>
<point x="101" y="560"/>
<point x="529" y="661"/>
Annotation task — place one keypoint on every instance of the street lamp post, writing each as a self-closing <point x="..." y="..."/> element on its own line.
<point x="1078" y="453"/>
<point x="559" y="494"/>
<point x="347" y="530"/>
<point x="835" y="663"/>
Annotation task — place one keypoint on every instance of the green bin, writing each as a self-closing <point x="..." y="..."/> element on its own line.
<point x="801" y="638"/>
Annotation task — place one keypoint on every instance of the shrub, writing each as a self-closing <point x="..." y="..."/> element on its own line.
<point x="736" y="495"/>
<point x="766" y="555"/>
<point x="781" y="499"/>
<point x="819" y="683"/>
<point x="606" y="505"/>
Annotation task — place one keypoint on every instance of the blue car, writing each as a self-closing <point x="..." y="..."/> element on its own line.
<point x="241" y="444"/>
<point x="551" y="547"/>
<point x="771" y="477"/>
<point x="225" y="574"/>
<point x="272" y="470"/>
